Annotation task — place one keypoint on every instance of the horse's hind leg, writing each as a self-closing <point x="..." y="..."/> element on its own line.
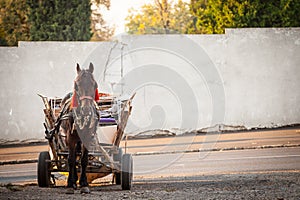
<point x="83" y="179"/>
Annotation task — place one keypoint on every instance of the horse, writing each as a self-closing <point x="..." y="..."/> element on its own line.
<point x="80" y="125"/>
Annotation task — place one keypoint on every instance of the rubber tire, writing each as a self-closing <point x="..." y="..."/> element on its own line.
<point x="44" y="172"/>
<point x="118" y="178"/>
<point x="127" y="171"/>
<point x="118" y="157"/>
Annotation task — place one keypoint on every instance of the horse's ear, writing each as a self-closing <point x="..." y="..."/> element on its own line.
<point x="91" y="67"/>
<point x="78" y="68"/>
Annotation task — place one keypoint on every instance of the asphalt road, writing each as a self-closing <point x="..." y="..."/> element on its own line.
<point x="184" y="143"/>
<point x="201" y="163"/>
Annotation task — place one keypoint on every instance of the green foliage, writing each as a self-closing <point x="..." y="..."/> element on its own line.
<point x="101" y="31"/>
<point x="13" y="22"/>
<point x="161" y="17"/>
<point x="59" y="20"/>
<point x="51" y="20"/>
<point x="73" y="20"/>
<point x="213" y="16"/>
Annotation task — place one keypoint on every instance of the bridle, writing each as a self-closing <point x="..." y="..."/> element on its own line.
<point x="85" y="120"/>
<point x="79" y="96"/>
<point x="85" y="97"/>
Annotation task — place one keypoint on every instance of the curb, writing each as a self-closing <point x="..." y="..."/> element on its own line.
<point x="216" y="149"/>
<point x="12" y="162"/>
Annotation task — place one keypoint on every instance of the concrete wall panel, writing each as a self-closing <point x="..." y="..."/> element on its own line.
<point x="246" y="77"/>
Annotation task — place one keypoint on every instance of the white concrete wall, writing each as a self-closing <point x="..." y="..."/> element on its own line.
<point x="246" y="77"/>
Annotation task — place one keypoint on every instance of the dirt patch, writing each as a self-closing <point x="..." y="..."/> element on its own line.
<point x="272" y="185"/>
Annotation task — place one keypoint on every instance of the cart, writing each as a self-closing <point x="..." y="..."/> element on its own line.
<point x="109" y="159"/>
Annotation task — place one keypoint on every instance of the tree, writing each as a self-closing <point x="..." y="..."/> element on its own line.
<point x="161" y="17"/>
<point x="13" y="22"/>
<point x="281" y="13"/>
<point x="55" y="20"/>
<point x="213" y="16"/>
<point x="58" y="20"/>
<point x="180" y="17"/>
<point x="101" y="31"/>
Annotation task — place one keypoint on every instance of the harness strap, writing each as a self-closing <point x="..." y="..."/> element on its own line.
<point x="68" y="115"/>
<point x="86" y="97"/>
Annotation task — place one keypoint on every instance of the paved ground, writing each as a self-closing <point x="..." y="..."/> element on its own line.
<point x="263" y="185"/>
<point x="265" y="165"/>
<point x="186" y="143"/>
<point x="184" y="164"/>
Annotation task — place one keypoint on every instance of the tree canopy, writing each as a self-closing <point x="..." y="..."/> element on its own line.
<point x="74" y="20"/>
<point x="13" y="22"/>
<point x="57" y="20"/>
<point x="213" y="16"/>
<point x="160" y="17"/>
<point x="52" y="20"/>
<point x="101" y="31"/>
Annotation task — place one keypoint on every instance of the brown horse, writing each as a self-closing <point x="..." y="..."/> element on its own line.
<point x="81" y="126"/>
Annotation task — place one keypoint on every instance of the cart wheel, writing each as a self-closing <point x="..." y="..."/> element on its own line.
<point x="126" y="173"/>
<point x="118" y="158"/>
<point x="44" y="173"/>
<point x="118" y="178"/>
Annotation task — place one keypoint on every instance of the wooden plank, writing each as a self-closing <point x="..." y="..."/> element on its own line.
<point x="125" y="113"/>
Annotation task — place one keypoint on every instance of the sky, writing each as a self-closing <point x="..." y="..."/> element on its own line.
<point x="119" y="11"/>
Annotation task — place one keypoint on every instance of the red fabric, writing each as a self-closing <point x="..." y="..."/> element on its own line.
<point x="97" y="97"/>
<point x="74" y="102"/>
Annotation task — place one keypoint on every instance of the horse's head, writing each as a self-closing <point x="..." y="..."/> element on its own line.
<point x="85" y="87"/>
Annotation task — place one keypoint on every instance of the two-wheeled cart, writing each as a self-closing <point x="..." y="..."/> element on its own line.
<point x="107" y="159"/>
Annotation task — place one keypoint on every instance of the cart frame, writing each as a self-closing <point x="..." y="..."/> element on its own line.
<point x="109" y="159"/>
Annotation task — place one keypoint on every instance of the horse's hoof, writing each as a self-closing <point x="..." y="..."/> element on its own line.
<point x="85" y="190"/>
<point x="70" y="191"/>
